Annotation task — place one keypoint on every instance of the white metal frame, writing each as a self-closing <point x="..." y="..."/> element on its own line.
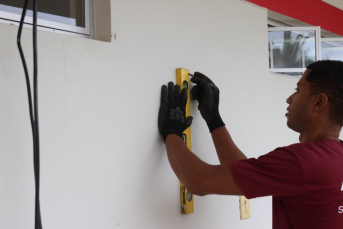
<point x="285" y="70"/>
<point x="318" y="43"/>
<point x="333" y="39"/>
<point x="317" y="32"/>
<point x="276" y="23"/>
<point x="12" y="18"/>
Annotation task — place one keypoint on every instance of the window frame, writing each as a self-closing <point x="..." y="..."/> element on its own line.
<point x="317" y="38"/>
<point x="12" y="18"/>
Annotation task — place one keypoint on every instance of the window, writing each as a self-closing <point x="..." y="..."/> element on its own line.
<point x="291" y="49"/>
<point x="64" y="16"/>
<point x="332" y="49"/>
<point x="293" y="45"/>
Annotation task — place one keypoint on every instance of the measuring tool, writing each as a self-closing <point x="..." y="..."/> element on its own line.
<point x="186" y="198"/>
<point x="244" y="207"/>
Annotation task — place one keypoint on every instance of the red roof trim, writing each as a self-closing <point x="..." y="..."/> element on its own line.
<point x="314" y="12"/>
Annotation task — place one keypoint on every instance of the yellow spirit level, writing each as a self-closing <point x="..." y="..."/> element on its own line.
<point x="244" y="207"/>
<point x="186" y="198"/>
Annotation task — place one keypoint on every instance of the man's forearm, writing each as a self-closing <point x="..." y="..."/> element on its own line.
<point x="199" y="177"/>
<point x="181" y="159"/>
<point x="226" y="149"/>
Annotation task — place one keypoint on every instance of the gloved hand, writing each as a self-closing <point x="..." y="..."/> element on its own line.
<point x="172" y="115"/>
<point x="208" y="99"/>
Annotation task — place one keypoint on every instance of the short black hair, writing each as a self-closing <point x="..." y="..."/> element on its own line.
<point x="326" y="76"/>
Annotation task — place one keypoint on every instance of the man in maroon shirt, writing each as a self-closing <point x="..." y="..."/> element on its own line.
<point x="305" y="179"/>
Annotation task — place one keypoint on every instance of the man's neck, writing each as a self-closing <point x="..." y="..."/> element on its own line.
<point x="317" y="134"/>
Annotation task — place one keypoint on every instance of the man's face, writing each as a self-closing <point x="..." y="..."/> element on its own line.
<point x="297" y="116"/>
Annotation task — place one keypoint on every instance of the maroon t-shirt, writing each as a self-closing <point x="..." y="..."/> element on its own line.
<point x="305" y="180"/>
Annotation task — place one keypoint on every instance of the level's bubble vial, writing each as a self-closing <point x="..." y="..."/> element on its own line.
<point x="184" y="138"/>
<point x="189" y="197"/>
<point x="185" y="84"/>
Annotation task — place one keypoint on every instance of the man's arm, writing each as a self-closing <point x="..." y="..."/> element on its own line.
<point x="207" y="94"/>
<point x="227" y="150"/>
<point x="199" y="177"/>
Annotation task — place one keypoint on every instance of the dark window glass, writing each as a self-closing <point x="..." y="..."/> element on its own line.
<point x="70" y="12"/>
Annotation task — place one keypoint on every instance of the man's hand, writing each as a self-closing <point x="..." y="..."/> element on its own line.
<point x="208" y="98"/>
<point x="172" y="116"/>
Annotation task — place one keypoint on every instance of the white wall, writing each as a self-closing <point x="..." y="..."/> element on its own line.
<point x="103" y="162"/>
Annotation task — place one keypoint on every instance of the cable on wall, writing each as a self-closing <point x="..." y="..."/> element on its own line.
<point x="33" y="109"/>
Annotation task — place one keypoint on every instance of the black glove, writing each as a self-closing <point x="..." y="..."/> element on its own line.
<point x="172" y="115"/>
<point x="208" y="98"/>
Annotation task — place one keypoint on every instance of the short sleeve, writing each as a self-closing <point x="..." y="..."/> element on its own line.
<point x="277" y="173"/>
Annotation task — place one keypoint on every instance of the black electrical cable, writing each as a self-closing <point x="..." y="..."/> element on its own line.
<point x="25" y="67"/>
<point x="38" y="222"/>
<point x="33" y="111"/>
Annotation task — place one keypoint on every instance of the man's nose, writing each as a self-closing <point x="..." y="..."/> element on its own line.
<point x="289" y="99"/>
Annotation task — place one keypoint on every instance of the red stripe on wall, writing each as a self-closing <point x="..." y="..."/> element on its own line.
<point x="314" y="12"/>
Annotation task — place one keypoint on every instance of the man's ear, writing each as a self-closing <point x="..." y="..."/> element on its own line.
<point x="321" y="101"/>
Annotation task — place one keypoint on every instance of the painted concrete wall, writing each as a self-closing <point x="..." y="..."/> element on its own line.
<point x="103" y="162"/>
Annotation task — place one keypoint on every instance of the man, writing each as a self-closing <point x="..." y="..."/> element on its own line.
<point x="305" y="179"/>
